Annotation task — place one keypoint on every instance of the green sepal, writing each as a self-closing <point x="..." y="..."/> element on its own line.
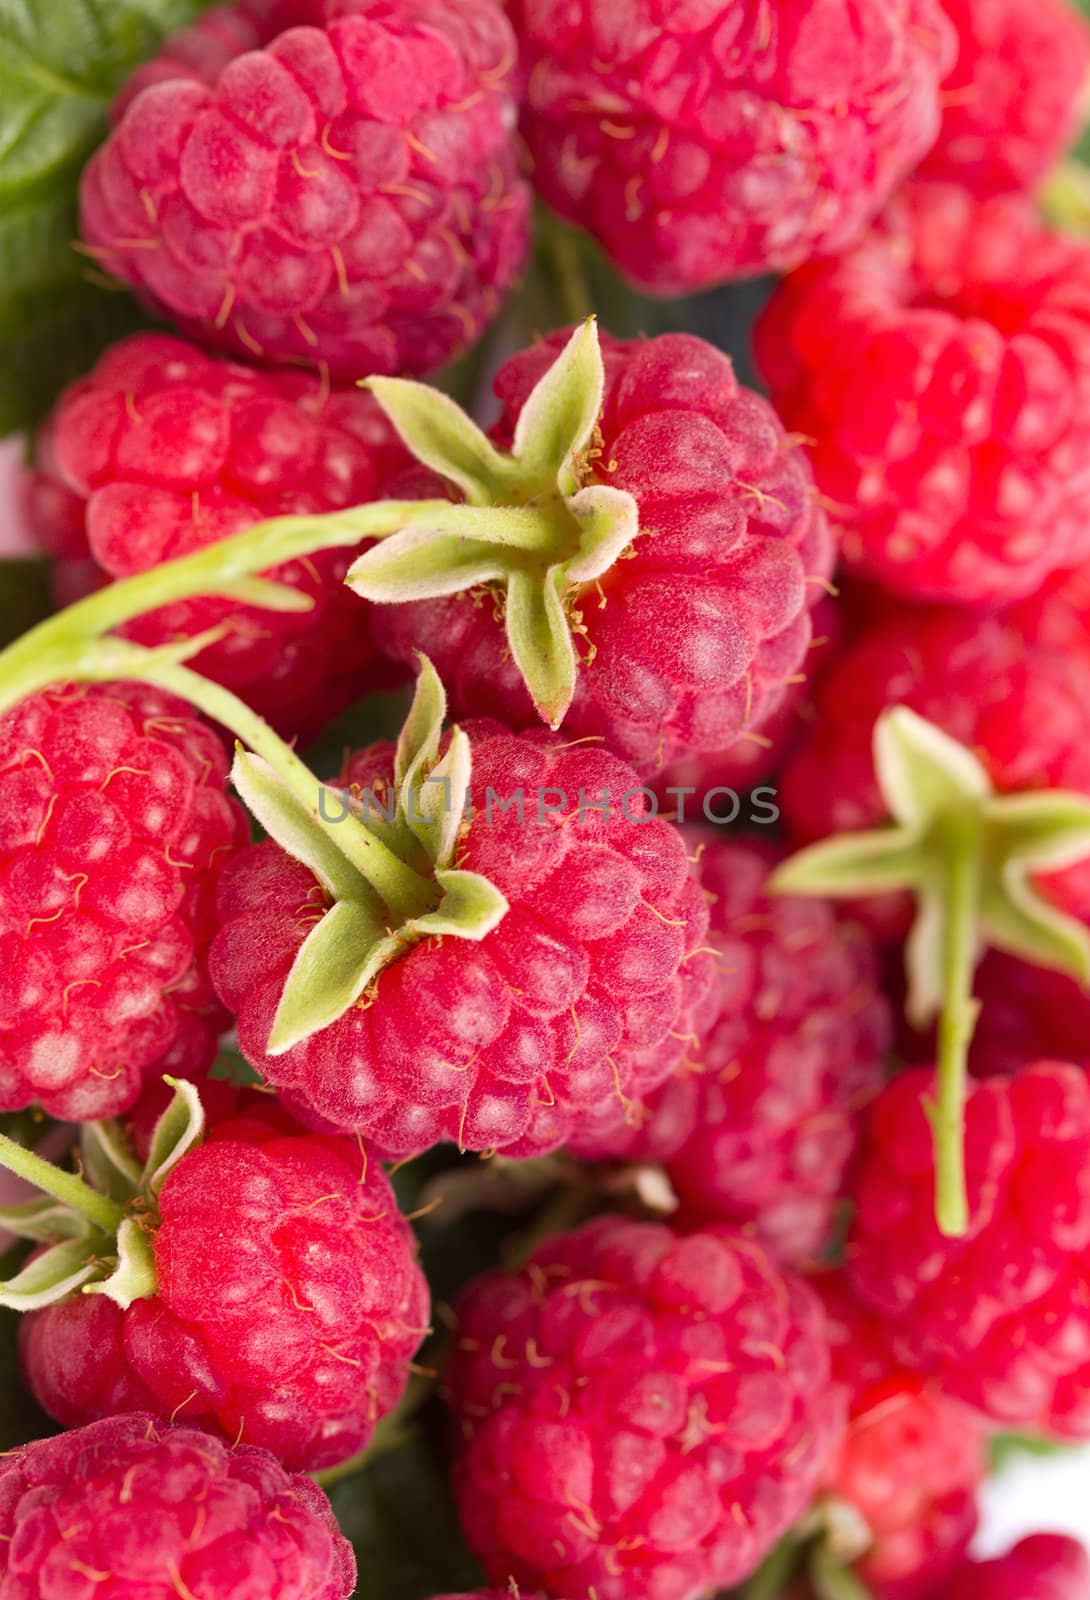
<point x="299" y="831"/>
<point x="610" y="521"/>
<point x="539" y="634"/>
<point x="471" y="907"/>
<point x="923" y="773"/>
<point x="52" y="1276"/>
<point x="854" y="864"/>
<point x="44" y="1220"/>
<point x="134" y="1276"/>
<point x="436" y="807"/>
<point x="108" y="1160"/>
<point x="443" y="437"/>
<point x="267" y="594"/>
<point x="556" y="424"/>
<point x="179" y="1129"/>
<point x="340" y="956"/>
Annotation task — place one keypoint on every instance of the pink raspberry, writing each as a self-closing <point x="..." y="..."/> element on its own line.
<point x="903" y="1483"/>
<point x="160" y="451"/>
<point x="1001" y="686"/>
<point x="114" y="827"/>
<point x="695" y="639"/>
<point x="1000" y="1317"/>
<point x="639" y="1413"/>
<point x="942" y="371"/>
<point x="1044" y="1567"/>
<point x="1013" y="100"/>
<point x="759" y="1127"/>
<point x="707" y="140"/>
<point x="327" y="181"/>
<point x="288" y="1307"/>
<point x="129" y="1507"/>
<point x="579" y="998"/>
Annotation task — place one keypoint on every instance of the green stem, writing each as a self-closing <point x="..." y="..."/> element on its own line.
<point x="773" y="1577"/>
<point x="960" y="900"/>
<point x="564" y="256"/>
<point x="831" y="1580"/>
<point x="63" y="1186"/>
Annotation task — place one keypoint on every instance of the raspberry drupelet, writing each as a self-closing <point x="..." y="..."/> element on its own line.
<point x="130" y="1506"/>
<point x="998" y="1317"/>
<point x="160" y="451"/>
<point x="115" y="825"/>
<point x="638" y="1412"/>
<point x="286" y="1301"/>
<point x="693" y="640"/>
<point x="941" y="370"/>
<point x="760" y="1125"/>
<point x="332" y="182"/>
<point x="1045" y="1566"/>
<point x="705" y="141"/>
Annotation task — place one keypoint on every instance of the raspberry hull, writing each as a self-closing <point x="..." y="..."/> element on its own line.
<point x="705" y="142"/>
<point x="579" y="997"/>
<point x="114" y="827"/>
<point x="696" y="638"/>
<point x="942" y="369"/>
<point x="160" y="451"/>
<point x="289" y="1301"/>
<point x="130" y="1507"/>
<point x="329" y="183"/>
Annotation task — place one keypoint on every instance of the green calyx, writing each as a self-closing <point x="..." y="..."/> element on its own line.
<point x="97" y="1228"/>
<point x="531" y="525"/>
<point x="418" y="824"/>
<point x="970" y="857"/>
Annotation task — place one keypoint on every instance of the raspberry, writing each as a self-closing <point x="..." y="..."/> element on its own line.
<point x="760" y="1131"/>
<point x="694" y="640"/>
<point x="327" y="181"/>
<point x="942" y="369"/>
<point x="1026" y="1013"/>
<point x="1044" y="1567"/>
<point x="160" y="451"/>
<point x="639" y="1413"/>
<point x="579" y="997"/>
<point x="129" y="1507"/>
<point x="1012" y="103"/>
<point x="703" y="141"/>
<point x="1000" y="1316"/>
<point x="909" y="1466"/>
<point x="288" y="1305"/>
<point x="1006" y="691"/>
<point x="115" y="827"/>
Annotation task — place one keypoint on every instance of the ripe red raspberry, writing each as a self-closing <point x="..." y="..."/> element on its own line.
<point x="1013" y="101"/>
<point x="288" y="1307"/>
<point x="696" y="638"/>
<point x="999" y="685"/>
<point x="326" y="181"/>
<point x="160" y="451"/>
<point x="903" y="1483"/>
<point x="114" y="827"/>
<point x="942" y="369"/>
<point x="1044" y="1567"/>
<point x="1000" y="1317"/>
<point x="704" y="141"/>
<point x="760" y="1125"/>
<point x="639" y="1413"/>
<point x="128" y="1507"/>
<point x="579" y="997"/>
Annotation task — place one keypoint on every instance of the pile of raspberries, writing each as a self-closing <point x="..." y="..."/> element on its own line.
<point x="264" y="1100"/>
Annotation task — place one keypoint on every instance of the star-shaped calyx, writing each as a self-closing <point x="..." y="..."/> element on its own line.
<point x="373" y="915"/>
<point x="969" y="855"/>
<point x="530" y="526"/>
<point x="97" y="1230"/>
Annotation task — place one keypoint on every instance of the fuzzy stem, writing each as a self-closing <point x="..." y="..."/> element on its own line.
<point x="961" y="900"/>
<point x="63" y="1186"/>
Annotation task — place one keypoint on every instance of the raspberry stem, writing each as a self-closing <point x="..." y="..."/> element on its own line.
<point x="832" y="1580"/>
<point x="71" y="1191"/>
<point x="960" y="901"/>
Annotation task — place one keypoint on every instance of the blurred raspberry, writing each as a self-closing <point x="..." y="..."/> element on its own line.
<point x="942" y="371"/>
<point x="703" y="140"/>
<point x="1044" y="1567"/>
<point x="333" y="182"/>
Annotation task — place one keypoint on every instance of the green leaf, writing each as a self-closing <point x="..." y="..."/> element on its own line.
<point x="854" y="864"/>
<point x="134" y="1277"/>
<point x="51" y="1276"/>
<point x="108" y="1160"/>
<point x="61" y="63"/>
<point x="337" y="961"/>
<point x="556" y="424"/>
<point x="923" y="773"/>
<point x="44" y="1219"/>
<point x="471" y="907"/>
<point x="539" y="634"/>
<point x="439" y="434"/>
<point x="178" y="1130"/>
<point x="295" y="829"/>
